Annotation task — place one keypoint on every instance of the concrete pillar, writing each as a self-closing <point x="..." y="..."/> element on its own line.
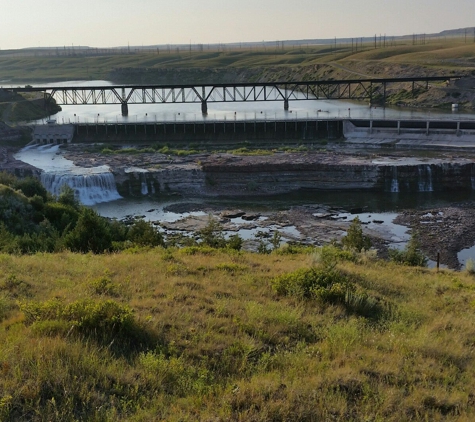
<point x="458" y="128"/>
<point x="427" y="127"/>
<point x="398" y="127"/>
<point x="286" y="104"/>
<point x="204" y="107"/>
<point x="370" y="127"/>
<point x="125" y="109"/>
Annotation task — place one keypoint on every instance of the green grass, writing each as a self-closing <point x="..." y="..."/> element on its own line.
<point x="204" y="334"/>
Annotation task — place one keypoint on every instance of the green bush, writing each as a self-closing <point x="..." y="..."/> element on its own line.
<point x="317" y="283"/>
<point x="91" y="234"/>
<point x="144" y="234"/>
<point x="330" y="286"/>
<point x="234" y="242"/>
<point x="30" y="187"/>
<point x="212" y="235"/>
<point x="103" y="285"/>
<point x="104" y="321"/>
<point x="411" y="255"/>
<point x="61" y="216"/>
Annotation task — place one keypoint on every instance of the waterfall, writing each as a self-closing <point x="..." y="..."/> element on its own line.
<point x="89" y="189"/>
<point x="144" y="189"/>
<point x="394" y="181"/>
<point x="425" y="178"/>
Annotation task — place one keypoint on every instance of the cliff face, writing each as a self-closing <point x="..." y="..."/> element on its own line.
<point x="228" y="175"/>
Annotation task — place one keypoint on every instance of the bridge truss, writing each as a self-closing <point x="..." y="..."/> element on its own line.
<point x="356" y="89"/>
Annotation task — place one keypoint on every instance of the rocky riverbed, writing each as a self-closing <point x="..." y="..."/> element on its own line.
<point x="446" y="230"/>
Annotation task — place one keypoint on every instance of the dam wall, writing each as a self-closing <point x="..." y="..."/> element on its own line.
<point x="211" y="131"/>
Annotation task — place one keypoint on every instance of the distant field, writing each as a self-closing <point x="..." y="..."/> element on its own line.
<point x="440" y="55"/>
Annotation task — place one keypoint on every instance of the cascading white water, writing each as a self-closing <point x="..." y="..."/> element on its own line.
<point x="144" y="189"/>
<point x="394" y="181"/>
<point x="89" y="189"/>
<point x="425" y="178"/>
<point x="91" y="185"/>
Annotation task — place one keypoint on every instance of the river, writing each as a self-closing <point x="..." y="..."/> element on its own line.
<point x="381" y="207"/>
<point x="230" y="111"/>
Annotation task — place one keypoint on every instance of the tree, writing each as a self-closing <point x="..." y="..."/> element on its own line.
<point x="411" y="255"/>
<point x="354" y="238"/>
<point x="91" y="234"/>
<point x="144" y="234"/>
<point x="67" y="197"/>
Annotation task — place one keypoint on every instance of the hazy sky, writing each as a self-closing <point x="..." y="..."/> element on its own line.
<point x="107" y="23"/>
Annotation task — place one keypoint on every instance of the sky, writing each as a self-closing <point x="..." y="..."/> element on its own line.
<point x="111" y="23"/>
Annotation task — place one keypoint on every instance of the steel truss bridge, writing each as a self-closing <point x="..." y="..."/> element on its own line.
<point x="355" y="89"/>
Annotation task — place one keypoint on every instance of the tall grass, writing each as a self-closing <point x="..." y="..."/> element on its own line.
<point x="202" y="334"/>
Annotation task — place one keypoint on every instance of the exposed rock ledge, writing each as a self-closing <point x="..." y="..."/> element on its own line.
<point x="279" y="173"/>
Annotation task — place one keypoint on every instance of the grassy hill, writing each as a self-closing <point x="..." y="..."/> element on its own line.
<point x="214" y="334"/>
<point x="437" y="55"/>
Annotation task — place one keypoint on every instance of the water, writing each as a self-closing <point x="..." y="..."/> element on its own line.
<point x="91" y="185"/>
<point x="301" y="109"/>
<point x="465" y="254"/>
<point x="425" y="179"/>
<point x="395" y="181"/>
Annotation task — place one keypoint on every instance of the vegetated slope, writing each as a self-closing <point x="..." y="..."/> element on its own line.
<point x="206" y="334"/>
<point x="18" y="108"/>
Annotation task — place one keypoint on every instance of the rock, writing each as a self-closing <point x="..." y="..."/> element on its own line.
<point x="378" y="221"/>
<point x="250" y="217"/>
<point x="322" y="215"/>
<point x="232" y="214"/>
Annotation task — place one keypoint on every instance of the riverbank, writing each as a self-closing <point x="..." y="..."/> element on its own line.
<point x="223" y="177"/>
<point x="226" y="175"/>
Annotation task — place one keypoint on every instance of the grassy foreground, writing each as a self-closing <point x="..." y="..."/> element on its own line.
<point x="216" y="335"/>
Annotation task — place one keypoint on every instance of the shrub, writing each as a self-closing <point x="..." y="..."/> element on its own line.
<point x="30" y="187"/>
<point x="328" y="256"/>
<point x="144" y="234"/>
<point x="322" y="283"/>
<point x="234" y="242"/>
<point x="411" y="255"/>
<point x="470" y="266"/>
<point x="212" y="235"/>
<point x="104" y="321"/>
<point x="61" y="216"/>
<point x="103" y="285"/>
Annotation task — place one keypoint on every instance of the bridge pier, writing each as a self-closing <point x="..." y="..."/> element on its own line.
<point x="204" y="107"/>
<point x="286" y="104"/>
<point x="125" y="109"/>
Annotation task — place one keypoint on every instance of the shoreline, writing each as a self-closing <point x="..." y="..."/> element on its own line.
<point x="317" y="223"/>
